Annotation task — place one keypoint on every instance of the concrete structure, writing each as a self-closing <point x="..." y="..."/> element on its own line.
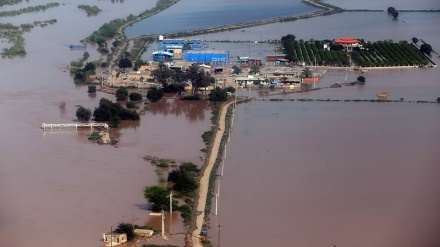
<point x="45" y="126"/>
<point x="113" y="239"/>
<point x="272" y="58"/>
<point x="249" y="60"/>
<point x="136" y="79"/>
<point x="143" y="233"/>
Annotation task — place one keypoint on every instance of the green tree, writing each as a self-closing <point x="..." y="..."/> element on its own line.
<point x="155" y="94"/>
<point x="157" y="196"/>
<point x="163" y="74"/>
<point x="91" y="89"/>
<point x="198" y="78"/>
<point x="184" y="178"/>
<point x="426" y="48"/>
<point x="83" y="114"/>
<point x="307" y="73"/>
<point x="125" y="63"/>
<point x="255" y="69"/>
<point x="135" y="96"/>
<point x="127" y="229"/>
<point x="415" y="40"/>
<point x="107" y="110"/>
<point x="218" y="95"/>
<point x="121" y="94"/>
<point x="361" y="79"/>
<point x="395" y="15"/>
<point x="130" y="104"/>
<point x="90" y="67"/>
<point x="115" y="121"/>
<point x="80" y="77"/>
<point x="236" y="70"/>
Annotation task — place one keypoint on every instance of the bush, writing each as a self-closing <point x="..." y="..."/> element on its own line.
<point x="92" y="89"/>
<point x="135" y="96"/>
<point x="130" y="104"/>
<point x="192" y="97"/>
<point x="107" y="110"/>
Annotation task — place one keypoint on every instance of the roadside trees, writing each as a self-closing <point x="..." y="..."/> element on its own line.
<point x="218" y="95"/>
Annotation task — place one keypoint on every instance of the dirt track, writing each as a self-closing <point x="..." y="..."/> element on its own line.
<point x="204" y="181"/>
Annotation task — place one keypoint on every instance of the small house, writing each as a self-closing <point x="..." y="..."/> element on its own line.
<point x="113" y="238"/>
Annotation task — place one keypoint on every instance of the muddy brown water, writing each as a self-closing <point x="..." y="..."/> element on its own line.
<point x="344" y="173"/>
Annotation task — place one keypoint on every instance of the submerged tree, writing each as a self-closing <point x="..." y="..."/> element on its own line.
<point x="83" y="114"/>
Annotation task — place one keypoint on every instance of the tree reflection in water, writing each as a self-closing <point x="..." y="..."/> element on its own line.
<point x="194" y="110"/>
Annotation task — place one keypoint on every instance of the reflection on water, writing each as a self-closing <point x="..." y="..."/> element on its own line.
<point x="193" y="110"/>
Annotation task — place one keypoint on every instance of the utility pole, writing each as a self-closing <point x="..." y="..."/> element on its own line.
<point x="171" y="209"/>
<point x="219" y="227"/>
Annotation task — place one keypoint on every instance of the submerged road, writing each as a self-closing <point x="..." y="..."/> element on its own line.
<point x="204" y="181"/>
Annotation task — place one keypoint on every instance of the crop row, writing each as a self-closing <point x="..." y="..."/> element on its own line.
<point x="372" y="54"/>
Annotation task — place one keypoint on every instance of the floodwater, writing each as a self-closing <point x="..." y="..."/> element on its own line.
<point x="317" y="174"/>
<point x="56" y="187"/>
<point x="198" y="14"/>
<point x="309" y="174"/>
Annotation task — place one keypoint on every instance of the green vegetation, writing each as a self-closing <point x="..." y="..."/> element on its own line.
<point x="157" y="196"/>
<point x="9" y="2"/>
<point x="135" y="96"/>
<point x="91" y="89"/>
<point x="130" y="105"/>
<point x="109" y="111"/>
<point x="125" y="63"/>
<point x="183" y="179"/>
<point x="14" y="34"/>
<point x="83" y="114"/>
<point x="236" y="70"/>
<point x="388" y="53"/>
<point x="392" y="11"/>
<point x="373" y="54"/>
<point x="95" y="136"/>
<point x="218" y="95"/>
<point x="426" y="48"/>
<point x="127" y="229"/>
<point x="29" y="9"/>
<point x="361" y="79"/>
<point x="91" y="10"/>
<point x="121" y="94"/>
<point x="155" y="94"/>
<point x="198" y="78"/>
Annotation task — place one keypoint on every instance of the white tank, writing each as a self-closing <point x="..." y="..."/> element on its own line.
<point x="160" y="37"/>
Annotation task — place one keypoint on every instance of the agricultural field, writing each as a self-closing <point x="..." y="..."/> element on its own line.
<point x="372" y="54"/>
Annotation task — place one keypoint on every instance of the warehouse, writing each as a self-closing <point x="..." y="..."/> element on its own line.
<point x="207" y="56"/>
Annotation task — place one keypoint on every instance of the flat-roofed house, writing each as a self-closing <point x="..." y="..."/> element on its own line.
<point x="113" y="238"/>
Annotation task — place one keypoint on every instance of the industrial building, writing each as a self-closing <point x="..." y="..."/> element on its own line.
<point x="207" y="56"/>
